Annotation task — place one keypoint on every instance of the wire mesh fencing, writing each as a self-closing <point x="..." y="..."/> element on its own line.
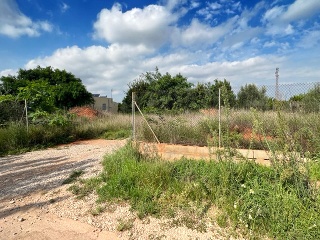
<point x="12" y="111"/>
<point x="257" y="117"/>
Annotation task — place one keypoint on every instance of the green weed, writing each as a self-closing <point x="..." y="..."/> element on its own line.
<point x="124" y="225"/>
<point x="97" y="210"/>
<point x="73" y="176"/>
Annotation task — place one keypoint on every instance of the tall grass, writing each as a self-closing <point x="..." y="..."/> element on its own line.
<point x="258" y="200"/>
<point x="15" y="138"/>
<point x="238" y="129"/>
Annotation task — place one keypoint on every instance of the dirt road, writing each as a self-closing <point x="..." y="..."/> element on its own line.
<point x="33" y="201"/>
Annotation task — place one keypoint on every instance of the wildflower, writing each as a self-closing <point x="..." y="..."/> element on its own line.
<point x="243" y="186"/>
<point x="251" y="191"/>
<point x="250" y="217"/>
<point x="235" y="206"/>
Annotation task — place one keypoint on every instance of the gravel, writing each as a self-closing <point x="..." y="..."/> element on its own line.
<point x="47" y="169"/>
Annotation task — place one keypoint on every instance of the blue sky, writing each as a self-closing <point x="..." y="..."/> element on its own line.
<point x="109" y="44"/>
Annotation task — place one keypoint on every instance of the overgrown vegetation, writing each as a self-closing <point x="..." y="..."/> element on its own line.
<point x="52" y="129"/>
<point x="240" y="129"/>
<point x="279" y="202"/>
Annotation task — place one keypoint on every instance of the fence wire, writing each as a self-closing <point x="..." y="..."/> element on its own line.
<point x="12" y="111"/>
<point x="256" y="117"/>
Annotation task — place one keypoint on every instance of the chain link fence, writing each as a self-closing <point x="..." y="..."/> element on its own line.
<point x="257" y="117"/>
<point x="12" y="111"/>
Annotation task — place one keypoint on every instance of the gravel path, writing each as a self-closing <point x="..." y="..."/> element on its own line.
<point x="35" y="205"/>
<point x="46" y="169"/>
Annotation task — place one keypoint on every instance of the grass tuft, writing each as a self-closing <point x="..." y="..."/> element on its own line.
<point x="73" y="176"/>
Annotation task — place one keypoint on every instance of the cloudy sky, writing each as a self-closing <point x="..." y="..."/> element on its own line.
<point x="109" y="44"/>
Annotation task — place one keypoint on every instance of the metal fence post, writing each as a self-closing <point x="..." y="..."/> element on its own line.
<point x="26" y="107"/>
<point x="219" y="118"/>
<point x="133" y="116"/>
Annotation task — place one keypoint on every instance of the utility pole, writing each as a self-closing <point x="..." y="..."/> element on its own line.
<point x="277" y="84"/>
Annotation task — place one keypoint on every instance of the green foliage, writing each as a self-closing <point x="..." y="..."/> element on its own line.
<point x="10" y="109"/>
<point x="46" y="89"/>
<point x="117" y="134"/>
<point x="86" y="186"/>
<point x="51" y="129"/>
<point x="314" y="168"/>
<point x="251" y="96"/>
<point x="157" y="93"/>
<point x="39" y="95"/>
<point x="59" y="118"/>
<point x="256" y="199"/>
<point x="7" y="98"/>
<point x="311" y="100"/>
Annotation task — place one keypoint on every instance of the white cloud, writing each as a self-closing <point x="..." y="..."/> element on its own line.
<point x="273" y="14"/>
<point x="7" y="72"/>
<point x="269" y="44"/>
<point x="14" y="24"/>
<point x="301" y="9"/>
<point x="214" y="5"/>
<point x="201" y="35"/>
<point x="310" y="39"/>
<point x="114" y="67"/>
<point x="289" y="29"/>
<point x="279" y="29"/>
<point x="240" y="37"/>
<point x="281" y="20"/>
<point x="149" y="26"/>
<point x="64" y="7"/>
<point x="259" y="70"/>
<point x="103" y="69"/>
<point x="100" y="68"/>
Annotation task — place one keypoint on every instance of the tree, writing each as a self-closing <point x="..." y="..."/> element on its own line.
<point x="251" y="96"/>
<point x="167" y="91"/>
<point x="156" y="92"/>
<point x="139" y="87"/>
<point x="39" y="94"/>
<point x="47" y="88"/>
<point x="228" y="98"/>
